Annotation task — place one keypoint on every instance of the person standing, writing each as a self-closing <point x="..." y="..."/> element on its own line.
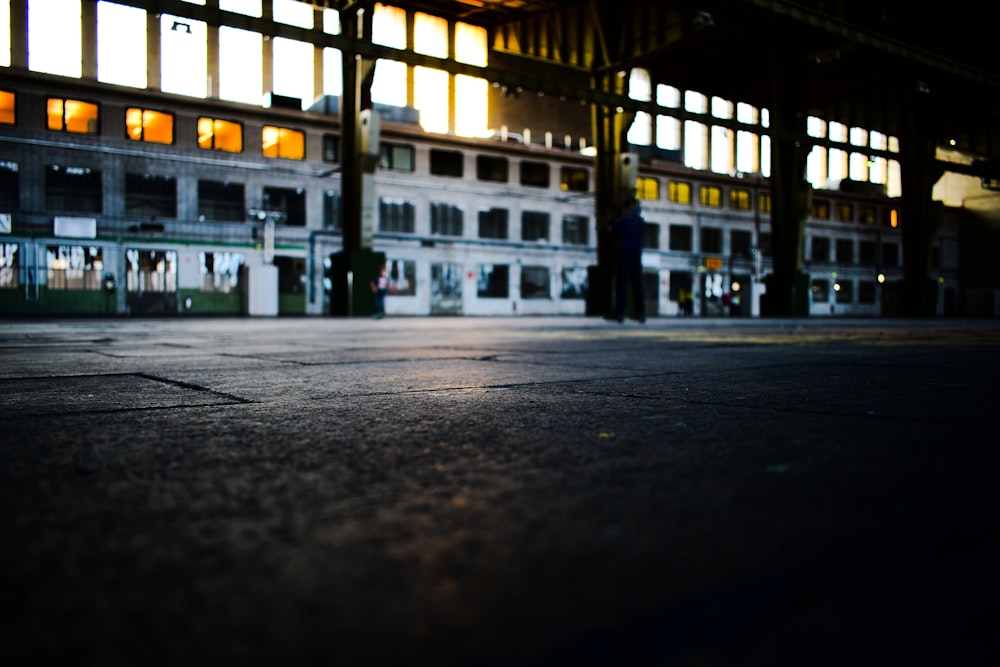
<point x="380" y="286"/>
<point x="629" y="226"/>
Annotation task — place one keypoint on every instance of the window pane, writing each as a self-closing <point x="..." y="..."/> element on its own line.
<point x="54" y="39"/>
<point x="493" y="281"/>
<point x="8" y="105"/>
<point x="121" y="44"/>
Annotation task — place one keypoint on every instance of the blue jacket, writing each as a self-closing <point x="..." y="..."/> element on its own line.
<point x="629" y="227"/>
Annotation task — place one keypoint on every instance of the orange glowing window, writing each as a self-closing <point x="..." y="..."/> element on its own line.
<point x="7" y="106"/>
<point x="220" y="135"/>
<point x="153" y="126"/>
<point x="72" y="116"/>
<point x="282" y="142"/>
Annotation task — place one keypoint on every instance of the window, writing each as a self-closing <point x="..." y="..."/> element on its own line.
<point x="843" y="291"/>
<point x="77" y="116"/>
<point x="9" y="266"/>
<point x="150" y="126"/>
<point x="149" y="196"/>
<point x="220" y="135"/>
<point x="446" y="163"/>
<point x="331" y="148"/>
<point x="8" y="107"/>
<point x="395" y="215"/>
<point x="397" y="157"/>
<point x="740" y="243"/>
<point x="647" y="188"/>
<point x="73" y="189"/>
<point x="651" y="236"/>
<point x="153" y="271"/>
<point x="220" y="271"/>
<point x="765" y="244"/>
<point x="680" y="237"/>
<point x="844" y="213"/>
<point x="493" y="282"/>
<point x="289" y="203"/>
<point x="331" y="210"/>
<point x="491" y="168"/>
<point x="535" y="226"/>
<point x="764" y="203"/>
<point x="844" y="251"/>
<point x="866" y="215"/>
<point x="820" y="291"/>
<point x="711" y="239"/>
<point x="493" y="223"/>
<point x="74" y="267"/>
<point x="10" y="186"/>
<point x="890" y="218"/>
<point x="679" y="192"/>
<point x="711" y="195"/>
<point x="534" y="282"/>
<point x="402" y="277"/>
<point x="574" y="282"/>
<point x="866" y="292"/>
<point x="680" y="281"/>
<point x="535" y="174"/>
<point x="820" y="249"/>
<point x="218" y="200"/>
<point x="739" y="199"/>
<point x="446" y="219"/>
<point x="574" y="229"/>
<point x="821" y="209"/>
<point x="866" y="253"/>
<point x="890" y="254"/>
<point x="283" y="142"/>
<point x="574" y="179"/>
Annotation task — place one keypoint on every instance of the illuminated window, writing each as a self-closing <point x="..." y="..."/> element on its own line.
<point x="146" y="125"/>
<point x="890" y="218"/>
<point x="72" y="116"/>
<point x="282" y="142"/>
<point x="821" y="209"/>
<point x="121" y="36"/>
<point x="711" y="195"/>
<point x="679" y="192"/>
<point x="220" y="135"/>
<point x="844" y="213"/>
<point x="764" y="203"/>
<point x="54" y="37"/>
<point x="647" y="188"/>
<point x="574" y="179"/>
<point x="739" y="199"/>
<point x="74" y="267"/>
<point x="8" y="106"/>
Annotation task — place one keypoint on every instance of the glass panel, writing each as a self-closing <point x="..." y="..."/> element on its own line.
<point x="8" y="105"/>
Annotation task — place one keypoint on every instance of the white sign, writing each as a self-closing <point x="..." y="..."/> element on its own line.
<point x="78" y="228"/>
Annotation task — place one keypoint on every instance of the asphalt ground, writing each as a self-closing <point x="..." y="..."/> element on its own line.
<point x="499" y="492"/>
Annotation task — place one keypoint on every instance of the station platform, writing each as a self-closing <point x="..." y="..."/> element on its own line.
<point x="499" y="492"/>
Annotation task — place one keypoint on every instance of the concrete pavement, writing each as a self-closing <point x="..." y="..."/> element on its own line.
<point x="510" y="491"/>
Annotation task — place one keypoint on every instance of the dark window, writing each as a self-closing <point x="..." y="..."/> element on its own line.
<point x="680" y="281"/>
<point x="844" y="212"/>
<point x="331" y="210"/>
<point x="446" y="220"/>
<point x="574" y="179"/>
<point x="73" y="189"/>
<point x="866" y="292"/>
<point x="574" y="282"/>
<point x="535" y="174"/>
<point x="218" y="200"/>
<point x="534" y="282"/>
<point x="493" y="223"/>
<point x="289" y="203"/>
<point x="820" y="291"/>
<point x="866" y="253"/>
<point x="890" y="254"/>
<point x="711" y="239"/>
<point x="331" y="148"/>
<point x="491" y="168"/>
<point x="651" y="236"/>
<point x="765" y="244"/>
<point x="845" y="251"/>
<point x="680" y="237"/>
<point x="446" y="163"/>
<point x="574" y="229"/>
<point x="398" y="157"/>
<point x="535" y="226"/>
<point x="291" y="275"/>
<point x="844" y="291"/>
<point x="10" y="186"/>
<point x="820" y="249"/>
<point x="402" y="277"/>
<point x="740" y="242"/>
<point x="494" y="281"/>
<point x="396" y="216"/>
<point x="866" y="214"/>
<point x="147" y="196"/>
